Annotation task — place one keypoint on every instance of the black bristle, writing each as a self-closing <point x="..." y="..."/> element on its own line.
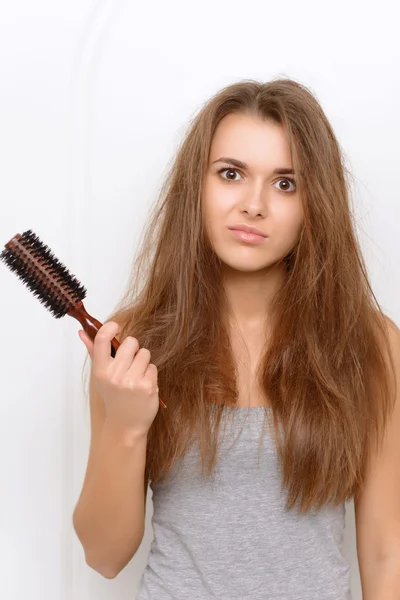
<point x="58" y="299"/>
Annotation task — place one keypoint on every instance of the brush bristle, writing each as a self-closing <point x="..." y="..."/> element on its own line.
<point x="50" y="281"/>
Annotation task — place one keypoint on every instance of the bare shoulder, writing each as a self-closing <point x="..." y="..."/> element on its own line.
<point x="393" y="337"/>
<point x="377" y="509"/>
<point x="392" y="325"/>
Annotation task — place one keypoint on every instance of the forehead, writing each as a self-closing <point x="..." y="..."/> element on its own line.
<point x="258" y="143"/>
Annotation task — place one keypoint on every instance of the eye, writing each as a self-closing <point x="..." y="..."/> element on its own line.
<point x="292" y="181"/>
<point x="231" y="171"/>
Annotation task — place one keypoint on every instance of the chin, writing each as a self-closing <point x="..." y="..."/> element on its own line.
<point x="246" y="266"/>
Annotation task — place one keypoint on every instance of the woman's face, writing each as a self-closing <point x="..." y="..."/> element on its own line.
<point x="252" y="195"/>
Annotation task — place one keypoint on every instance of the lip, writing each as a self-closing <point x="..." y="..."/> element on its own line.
<point x="250" y="238"/>
<point x="247" y="229"/>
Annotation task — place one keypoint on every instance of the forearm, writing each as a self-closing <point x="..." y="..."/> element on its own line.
<point x="109" y="517"/>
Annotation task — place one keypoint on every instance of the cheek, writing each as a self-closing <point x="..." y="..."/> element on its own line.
<point x="216" y="208"/>
<point x="285" y="228"/>
<point x="295" y="220"/>
<point x="211" y="214"/>
<point x="289" y="218"/>
<point x="298" y="220"/>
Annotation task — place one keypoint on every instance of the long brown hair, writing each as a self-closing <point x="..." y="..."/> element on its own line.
<point x="325" y="368"/>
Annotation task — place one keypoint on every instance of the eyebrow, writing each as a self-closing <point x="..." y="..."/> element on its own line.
<point x="242" y="165"/>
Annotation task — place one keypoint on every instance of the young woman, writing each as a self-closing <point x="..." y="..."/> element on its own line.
<point x="277" y="365"/>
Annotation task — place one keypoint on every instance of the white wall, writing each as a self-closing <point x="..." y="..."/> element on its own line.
<point x="94" y="97"/>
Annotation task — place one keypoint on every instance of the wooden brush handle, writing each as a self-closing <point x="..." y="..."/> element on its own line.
<point x="92" y="326"/>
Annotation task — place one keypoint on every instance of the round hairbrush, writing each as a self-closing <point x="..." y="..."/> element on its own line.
<point x="51" y="282"/>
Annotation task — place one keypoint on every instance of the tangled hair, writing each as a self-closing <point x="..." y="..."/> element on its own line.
<point x="325" y="368"/>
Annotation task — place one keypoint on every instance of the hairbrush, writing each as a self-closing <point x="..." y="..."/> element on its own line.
<point x="51" y="282"/>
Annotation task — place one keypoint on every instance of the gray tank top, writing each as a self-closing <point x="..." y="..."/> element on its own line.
<point x="230" y="537"/>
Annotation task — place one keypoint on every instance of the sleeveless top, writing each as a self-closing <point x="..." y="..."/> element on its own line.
<point x="229" y="536"/>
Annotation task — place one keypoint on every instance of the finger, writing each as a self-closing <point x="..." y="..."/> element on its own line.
<point x="125" y="354"/>
<point x="140" y="362"/>
<point x="102" y="344"/>
<point x="152" y="374"/>
<point x="87" y="341"/>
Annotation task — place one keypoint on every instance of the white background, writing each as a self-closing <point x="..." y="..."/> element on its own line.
<point x="94" y="97"/>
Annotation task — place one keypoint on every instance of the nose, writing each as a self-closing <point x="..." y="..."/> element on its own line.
<point x="254" y="204"/>
<point x="254" y="209"/>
